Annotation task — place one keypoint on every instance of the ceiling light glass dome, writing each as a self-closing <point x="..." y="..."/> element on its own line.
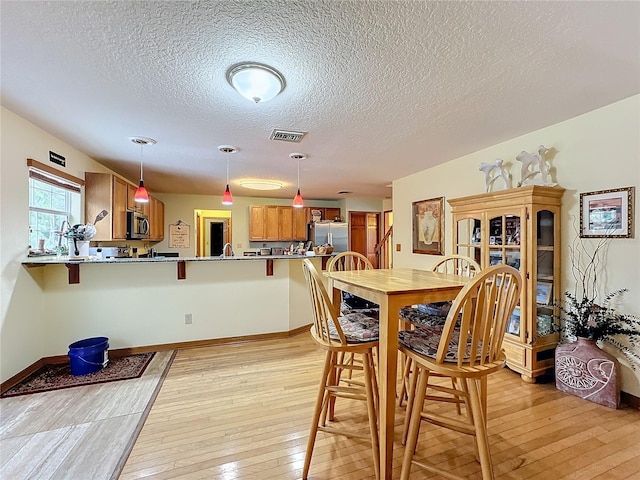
<point x="256" y="82"/>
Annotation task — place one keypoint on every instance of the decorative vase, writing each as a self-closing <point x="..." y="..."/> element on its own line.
<point x="586" y="371"/>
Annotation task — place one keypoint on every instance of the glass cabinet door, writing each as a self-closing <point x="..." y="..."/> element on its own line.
<point x="545" y="271"/>
<point x="504" y="248"/>
<point x="469" y="238"/>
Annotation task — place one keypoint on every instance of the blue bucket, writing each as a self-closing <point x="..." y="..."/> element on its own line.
<point x="89" y="355"/>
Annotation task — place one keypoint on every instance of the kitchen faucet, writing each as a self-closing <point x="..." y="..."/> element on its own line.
<point x="224" y="251"/>
<point x="62" y="231"/>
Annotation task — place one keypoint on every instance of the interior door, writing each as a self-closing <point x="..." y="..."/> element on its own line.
<point x="364" y="234"/>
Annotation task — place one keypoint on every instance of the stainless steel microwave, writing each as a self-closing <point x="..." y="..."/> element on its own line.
<point x="137" y="226"/>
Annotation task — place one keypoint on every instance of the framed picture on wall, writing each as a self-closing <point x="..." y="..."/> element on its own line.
<point x="428" y="226"/>
<point x="607" y="213"/>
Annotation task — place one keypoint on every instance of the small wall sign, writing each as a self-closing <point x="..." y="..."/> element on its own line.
<point x="57" y="158"/>
<point x="179" y="235"/>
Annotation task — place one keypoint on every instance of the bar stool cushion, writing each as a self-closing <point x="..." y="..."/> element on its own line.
<point x="357" y="328"/>
<point x="425" y="340"/>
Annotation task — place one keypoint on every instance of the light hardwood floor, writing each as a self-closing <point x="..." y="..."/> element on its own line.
<point x="80" y="433"/>
<point x="243" y="412"/>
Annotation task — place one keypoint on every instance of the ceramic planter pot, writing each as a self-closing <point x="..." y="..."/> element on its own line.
<point x="586" y="371"/>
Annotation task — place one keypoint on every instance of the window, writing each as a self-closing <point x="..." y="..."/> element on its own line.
<point x="52" y="201"/>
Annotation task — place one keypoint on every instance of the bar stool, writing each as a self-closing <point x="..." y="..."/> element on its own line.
<point x="431" y="315"/>
<point x="468" y="349"/>
<point x="354" y="334"/>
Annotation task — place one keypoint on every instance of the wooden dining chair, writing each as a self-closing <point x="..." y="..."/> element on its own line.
<point x="351" y="260"/>
<point x="432" y="315"/>
<point x="356" y="334"/>
<point x="467" y="348"/>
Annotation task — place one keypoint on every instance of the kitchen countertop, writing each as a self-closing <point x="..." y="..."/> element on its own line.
<point x="53" y="260"/>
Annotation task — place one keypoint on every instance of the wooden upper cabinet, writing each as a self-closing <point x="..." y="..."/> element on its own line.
<point x="104" y="191"/>
<point x="331" y="214"/>
<point x="271" y="223"/>
<point x="119" y="208"/>
<point x="257" y="222"/>
<point x="285" y="221"/>
<point x="301" y="217"/>
<point x="272" y="228"/>
<point x="156" y="219"/>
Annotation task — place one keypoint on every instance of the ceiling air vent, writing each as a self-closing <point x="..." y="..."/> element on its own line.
<point x="287" y="135"/>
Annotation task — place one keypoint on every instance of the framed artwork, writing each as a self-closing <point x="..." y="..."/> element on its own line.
<point x="607" y="213"/>
<point x="428" y="226"/>
<point x="543" y="292"/>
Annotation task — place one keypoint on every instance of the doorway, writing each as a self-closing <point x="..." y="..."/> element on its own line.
<point x="364" y="234"/>
<point x="213" y="231"/>
<point x="216" y="238"/>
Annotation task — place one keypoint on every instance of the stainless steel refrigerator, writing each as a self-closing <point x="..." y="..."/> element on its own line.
<point x="335" y="233"/>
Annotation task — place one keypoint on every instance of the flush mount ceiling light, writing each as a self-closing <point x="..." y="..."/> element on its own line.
<point x="227" y="199"/>
<point x="261" y="184"/>
<point x="297" y="200"/>
<point x="256" y="82"/>
<point x="141" y="195"/>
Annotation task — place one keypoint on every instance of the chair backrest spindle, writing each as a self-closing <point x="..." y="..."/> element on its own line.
<point x="479" y="316"/>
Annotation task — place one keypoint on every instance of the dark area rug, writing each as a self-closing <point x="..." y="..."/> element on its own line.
<point x="55" y="377"/>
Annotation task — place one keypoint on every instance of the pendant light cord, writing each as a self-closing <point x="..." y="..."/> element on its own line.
<point x="298" y="174"/>
<point x="141" y="159"/>
<point x="227" y="170"/>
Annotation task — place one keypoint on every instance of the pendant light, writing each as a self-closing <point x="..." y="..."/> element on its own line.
<point x="297" y="200"/>
<point x="141" y="195"/>
<point x="227" y="198"/>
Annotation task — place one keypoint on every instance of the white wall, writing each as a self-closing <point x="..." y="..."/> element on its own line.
<point x="24" y="328"/>
<point x="595" y="151"/>
<point x="133" y="305"/>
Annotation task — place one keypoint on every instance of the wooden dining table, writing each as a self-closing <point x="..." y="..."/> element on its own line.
<point x="392" y="289"/>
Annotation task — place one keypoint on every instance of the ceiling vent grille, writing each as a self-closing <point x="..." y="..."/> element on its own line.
<point x="287" y="135"/>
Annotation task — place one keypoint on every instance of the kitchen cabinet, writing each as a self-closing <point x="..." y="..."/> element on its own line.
<point x="519" y="227"/>
<point x="156" y="219"/>
<point x="257" y="222"/>
<point x="104" y="191"/>
<point x="272" y="226"/>
<point x="270" y="223"/>
<point x="301" y="217"/>
<point x="330" y="213"/>
<point x="285" y="223"/>
<point x="132" y="205"/>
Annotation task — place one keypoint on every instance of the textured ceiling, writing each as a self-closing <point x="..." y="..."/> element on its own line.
<point x="385" y="89"/>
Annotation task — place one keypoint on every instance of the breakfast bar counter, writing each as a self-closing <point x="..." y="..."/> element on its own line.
<point x="73" y="263"/>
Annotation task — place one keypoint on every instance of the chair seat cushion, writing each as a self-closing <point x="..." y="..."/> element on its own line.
<point x="345" y="309"/>
<point x="415" y="316"/>
<point x="354" y="302"/>
<point x="425" y="340"/>
<point x="357" y="328"/>
<point x="435" y="308"/>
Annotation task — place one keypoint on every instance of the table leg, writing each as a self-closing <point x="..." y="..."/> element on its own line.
<point x="387" y="370"/>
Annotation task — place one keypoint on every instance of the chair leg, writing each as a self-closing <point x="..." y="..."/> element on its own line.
<point x="320" y="402"/>
<point x="416" y="418"/>
<point x="411" y="398"/>
<point x="339" y="358"/>
<point x="480" y="423"/>
<point x="369" y="381"/>
<point x="404" y="384"/>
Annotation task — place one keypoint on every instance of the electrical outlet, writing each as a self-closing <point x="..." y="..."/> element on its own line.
<point x="398" y="247"/>
<point x="188" y="318"/>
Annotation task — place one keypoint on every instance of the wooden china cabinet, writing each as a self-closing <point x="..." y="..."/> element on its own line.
<point x="519" y="227"/>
